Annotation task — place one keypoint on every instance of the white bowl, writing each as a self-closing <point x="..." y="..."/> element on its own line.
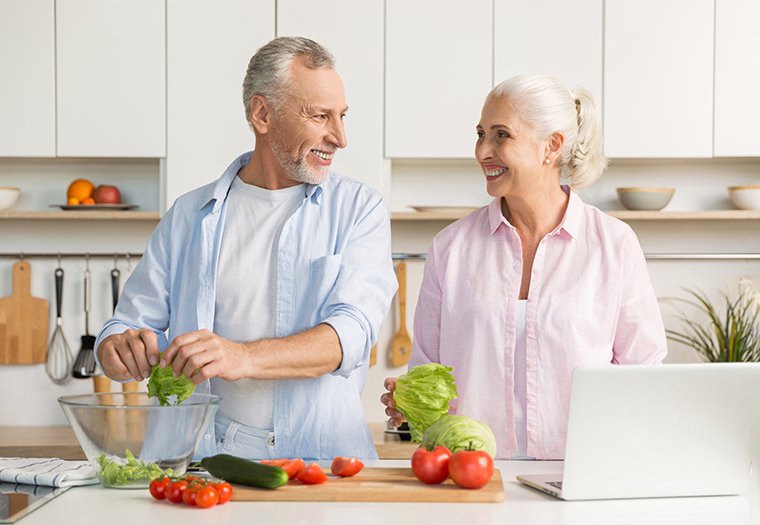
<point x="645" y="198"/>
<point x="8" y="197"/>
<point x="745" y="197"/>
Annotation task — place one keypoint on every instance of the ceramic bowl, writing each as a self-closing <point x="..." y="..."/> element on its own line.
<point x="745" y="197"/>
<point x="645" y="198"/>
<point x="111" y="426"/>
<point x="8" y="197"/>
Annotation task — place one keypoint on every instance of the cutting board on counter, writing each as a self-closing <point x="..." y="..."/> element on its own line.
<point x="23" y="322"/>
<point x="376" y="484"/>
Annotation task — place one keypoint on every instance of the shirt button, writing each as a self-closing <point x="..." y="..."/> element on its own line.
<point x="530" y="330"/>
<point x="531" y="432"/>
<point x="271" y="441"/>
<point x="531" y="299"/>
<point x="531" y="398"/>
<point x="207" y="437"/>
<point x="531" y="365"/>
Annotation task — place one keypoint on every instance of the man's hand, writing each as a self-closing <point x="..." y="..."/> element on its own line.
<point x="202" y="354"/>
<point x="129" y="355"/>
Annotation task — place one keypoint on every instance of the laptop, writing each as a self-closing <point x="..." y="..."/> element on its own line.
<point x="652" y="431"/>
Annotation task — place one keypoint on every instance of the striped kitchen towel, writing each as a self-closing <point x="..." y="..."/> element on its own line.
<point x="52" y="472"/>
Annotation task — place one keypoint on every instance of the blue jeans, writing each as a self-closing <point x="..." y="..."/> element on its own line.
<point x="242" y="441"/>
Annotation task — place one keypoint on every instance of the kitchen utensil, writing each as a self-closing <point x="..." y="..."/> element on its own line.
<point x="376" y="484"/>
<point x="402" y="343"/>
<point x="115" y="287"/>
<point x="84" y="366"/>
<point x="645" y="198"/>
<point x="115" y="422"/>
<point x="59" y="357"/>
<point x="23" y="321"/>
<point x="745" y="197"/>
<point x="373" y="356"/>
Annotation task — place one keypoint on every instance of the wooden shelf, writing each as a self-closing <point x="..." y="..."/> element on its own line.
<point x="623" y="215"/>
<point x="83" y="215"/>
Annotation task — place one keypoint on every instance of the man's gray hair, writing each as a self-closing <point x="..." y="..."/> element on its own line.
<point x="268" y="74"/>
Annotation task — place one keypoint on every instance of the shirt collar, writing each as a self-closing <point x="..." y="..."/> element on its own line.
<point x="570" y="221"/>
<point x="218" y="192"/>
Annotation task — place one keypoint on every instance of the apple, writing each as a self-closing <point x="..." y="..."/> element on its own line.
<point x="105" y="194"/>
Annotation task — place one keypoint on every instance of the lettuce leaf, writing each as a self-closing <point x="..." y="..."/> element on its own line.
<point x="165" y="386"/>
<point x="115" y="474"/>
<point x="458" y="433"/>
<point x="423" y="394"/>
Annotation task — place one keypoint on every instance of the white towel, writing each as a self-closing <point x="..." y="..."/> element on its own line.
<point x="49" y="472"/>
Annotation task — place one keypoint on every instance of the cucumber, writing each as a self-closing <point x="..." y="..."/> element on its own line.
<point x="245" y="472"/>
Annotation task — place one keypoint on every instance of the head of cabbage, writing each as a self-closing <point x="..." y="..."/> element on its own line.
<point x="458" y="432"/>
<point x="423" y="394"/>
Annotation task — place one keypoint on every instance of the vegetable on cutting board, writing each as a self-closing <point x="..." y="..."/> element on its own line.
<point x="292" y="466"/>
<point x="245" y="472"/>
<point x="422" y="395"/>
<point x="345" y="467"/>
<point x="431" y="465"/>
<point x="471" y="469"/>
<point x="459" y="433"/>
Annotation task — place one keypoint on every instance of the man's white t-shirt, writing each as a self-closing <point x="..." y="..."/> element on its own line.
<point x="246" y="290"/>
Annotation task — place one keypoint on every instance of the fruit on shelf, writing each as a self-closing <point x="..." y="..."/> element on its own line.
<point x="105" y="194"/>
<point x="80" y="189"/>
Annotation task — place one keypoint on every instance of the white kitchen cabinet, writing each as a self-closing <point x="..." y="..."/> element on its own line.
<point x="111" y="78"/>
<point x="357" y="45"/>
<point x="27" y="89"/>
<point x="438" y="67"/>
<point x="550" y="37"/>
<point x="737" y="77"/>
<point x="210" y="43"/>
<point x="658" y="78"/>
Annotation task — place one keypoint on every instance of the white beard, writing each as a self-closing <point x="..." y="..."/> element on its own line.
<point x="297" y="169"/>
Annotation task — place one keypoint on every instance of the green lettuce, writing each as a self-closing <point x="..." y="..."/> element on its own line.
<point x="458" y="432"/>
<point x="115" y="474"/>
<point x="422" y="395"/>
<point x="164" y="385"/>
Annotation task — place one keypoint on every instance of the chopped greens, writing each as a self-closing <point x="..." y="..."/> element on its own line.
<point x="115" y="474"/>
<point x="164" y="385"/>
<point x="423" y="394"/>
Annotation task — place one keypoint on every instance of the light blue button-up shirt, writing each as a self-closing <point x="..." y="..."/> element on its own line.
<point x="333" y="266"/>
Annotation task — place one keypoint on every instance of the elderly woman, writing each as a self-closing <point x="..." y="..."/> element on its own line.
<point x="521" y="291"/>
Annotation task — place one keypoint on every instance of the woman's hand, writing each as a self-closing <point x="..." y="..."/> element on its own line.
<point x="396" y="417"/>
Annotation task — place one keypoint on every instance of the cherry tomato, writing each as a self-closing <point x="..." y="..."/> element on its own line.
<point x="174" y="491"/>
<point x="225" y="491"/>
<point x="346" y="466"/>
<point x="312" y="475"/>
<point x="431" y="466"/>
<point x="471" y="469"/>
<point x="291" y="466"/>
<point x="189" y="494"/>
<point x="158" y="487"/>
<point x="207" y="497"/>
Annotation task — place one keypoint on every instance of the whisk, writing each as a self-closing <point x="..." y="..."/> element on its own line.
<point x="59" y="357"/>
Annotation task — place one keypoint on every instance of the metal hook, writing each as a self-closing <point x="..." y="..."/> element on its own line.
<point x="129" y="265"/>
<point x="115" y="260"/>
<point x="21" y="255"/>
<point x="59" y="260"/>
<point x="87" y="264"/>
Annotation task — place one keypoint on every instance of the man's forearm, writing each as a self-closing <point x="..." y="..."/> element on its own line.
<point x="312" y="353"/>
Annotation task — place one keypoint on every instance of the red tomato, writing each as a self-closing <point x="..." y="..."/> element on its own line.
<point x="312" y="475"/>
<point x="207" y="497"/>
<point x="174" y="491"/>
<point x="158" y="487"/>
<point x="346" y="466"/>
<point x="291" y="466"/>
<point x="431" y="466"/>
<point x="471" y="469"/>
<point x="189" y="494"/>
<point x="225" y="491"/>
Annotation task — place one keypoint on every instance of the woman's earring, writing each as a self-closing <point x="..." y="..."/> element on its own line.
<point x="547" y="161"/>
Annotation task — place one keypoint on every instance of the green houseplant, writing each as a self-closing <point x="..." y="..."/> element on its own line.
<point x="733" y="337"/>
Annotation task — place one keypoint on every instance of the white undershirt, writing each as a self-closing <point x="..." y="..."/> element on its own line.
<point x="520" y="395"/>
<point x="246" y="290"/>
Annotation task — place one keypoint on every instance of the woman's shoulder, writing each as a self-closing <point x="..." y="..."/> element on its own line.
<point x="464" y="230"/>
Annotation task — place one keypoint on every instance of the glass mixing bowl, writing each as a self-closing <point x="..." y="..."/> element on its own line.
<point x="114" y="425"/>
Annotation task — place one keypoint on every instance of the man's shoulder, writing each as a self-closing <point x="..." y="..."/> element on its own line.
<point x="342" y="187"/>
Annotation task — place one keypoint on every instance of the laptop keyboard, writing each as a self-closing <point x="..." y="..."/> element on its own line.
<point x="555" y="484"/>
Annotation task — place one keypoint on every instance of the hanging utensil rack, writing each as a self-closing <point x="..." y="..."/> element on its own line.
<point x="64" y="255"/>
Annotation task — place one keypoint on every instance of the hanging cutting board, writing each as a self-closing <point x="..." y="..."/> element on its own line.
<point x="23" y="322"/>
<point x="375" y="484"/>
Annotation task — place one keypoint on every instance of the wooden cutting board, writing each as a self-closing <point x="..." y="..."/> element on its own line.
<point x="23" y="322"/>
<point x="375" y="484"/>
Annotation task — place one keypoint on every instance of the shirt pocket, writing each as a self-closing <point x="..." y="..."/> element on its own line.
<point x="323" y="278"/>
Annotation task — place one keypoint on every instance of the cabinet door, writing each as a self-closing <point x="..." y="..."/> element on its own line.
<point x="357" y="46"/>
<point x="210" y="43"/>
<point x="27" y="89"/>
<point x="111" y="78"/>
<point x="658" y="78"/>
<point x="737" y="77"/>
<point x="550" y="37"/>
<point x="438" y="67"/>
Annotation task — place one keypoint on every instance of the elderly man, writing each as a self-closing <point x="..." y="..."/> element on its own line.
<point x="273" y="281"/>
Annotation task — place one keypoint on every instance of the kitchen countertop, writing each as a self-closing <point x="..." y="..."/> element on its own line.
<point x="522" y="505"/>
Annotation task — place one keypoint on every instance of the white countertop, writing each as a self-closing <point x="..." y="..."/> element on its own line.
<point x="95" y="505"/>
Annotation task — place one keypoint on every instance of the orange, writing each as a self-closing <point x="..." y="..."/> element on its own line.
<point x="80" y="189"/>
<point x="73" y="201"/>
<point x="88" y="200"/>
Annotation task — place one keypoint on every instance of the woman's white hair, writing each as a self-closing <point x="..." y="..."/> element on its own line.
<point x="268" y="71"/>
<point x="547" y="106"/>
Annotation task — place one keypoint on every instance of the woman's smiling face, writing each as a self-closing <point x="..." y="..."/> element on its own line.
<point x="511" y="155"/>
